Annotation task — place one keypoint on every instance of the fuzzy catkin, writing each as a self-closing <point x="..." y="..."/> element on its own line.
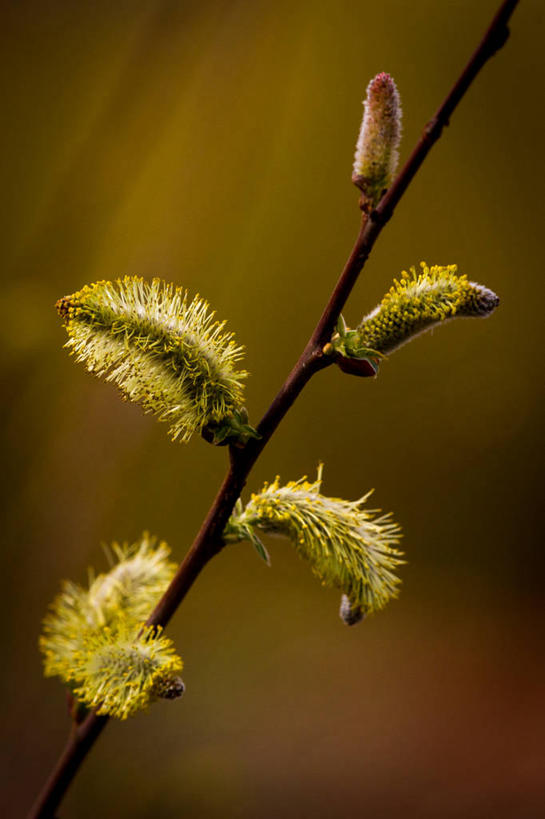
<point x="120" y="672"/>
<point x="348" y="547"/>
<point x="164" y="352"/>
<point x="127" y="592"/>
<point x="95" y="641"/>
<point x="139" y="575"/>
<point x="376" y="156"/>
<point x="416" y="303"/>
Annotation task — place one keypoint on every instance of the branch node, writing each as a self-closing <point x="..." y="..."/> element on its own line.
<point x="381" y="215"/>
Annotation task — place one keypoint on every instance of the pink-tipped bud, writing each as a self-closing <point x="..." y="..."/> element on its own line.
<point x="376" y="154"/>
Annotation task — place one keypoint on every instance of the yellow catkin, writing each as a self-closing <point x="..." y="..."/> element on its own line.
<point x="122" y="671"/>
<point x="164" y="352"/>
<point x="347" y="546"/>
<point x="417" y="302"/>
<point x="93" y="638"/>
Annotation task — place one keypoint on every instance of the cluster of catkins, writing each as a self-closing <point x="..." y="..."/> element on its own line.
<point x="95" y="639"/>
<point x="167" y="353"/>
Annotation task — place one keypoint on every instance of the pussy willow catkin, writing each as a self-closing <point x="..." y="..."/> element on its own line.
<point x="120" y="672"/>
<point x="347" y="546"/>
<point x="416" y="303"/>
<point x="95" y="641"/>
<point x="163" y="351"/>
<point x="376" y="156"/>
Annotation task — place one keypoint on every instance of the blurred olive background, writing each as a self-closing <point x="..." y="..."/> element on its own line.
<point x="211" y="144"/>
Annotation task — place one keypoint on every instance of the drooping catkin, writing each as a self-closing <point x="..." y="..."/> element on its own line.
<point x="348" y="547"/>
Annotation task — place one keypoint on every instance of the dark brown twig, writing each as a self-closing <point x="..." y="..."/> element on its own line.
<point x="209" y="539"/>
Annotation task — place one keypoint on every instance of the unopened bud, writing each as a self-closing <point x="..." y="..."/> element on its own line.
<point x="350" y="614"/>
<point x="376" y="154"/>
<point x="169" y="688"/>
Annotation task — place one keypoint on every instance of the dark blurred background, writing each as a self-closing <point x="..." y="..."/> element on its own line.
<point x="211" y="144"/>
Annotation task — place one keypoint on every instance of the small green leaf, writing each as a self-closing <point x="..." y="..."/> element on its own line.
<point x="233" y="429"/>
<point x="342" y="326"/>
<point x="259" y="547"/>
<point x="237" y="530"/>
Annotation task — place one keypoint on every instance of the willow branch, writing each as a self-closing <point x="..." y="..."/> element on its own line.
<point x="209" y="538"/>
